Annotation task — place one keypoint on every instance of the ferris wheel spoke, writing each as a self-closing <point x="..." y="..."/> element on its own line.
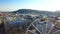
<point x="56" y="32"/>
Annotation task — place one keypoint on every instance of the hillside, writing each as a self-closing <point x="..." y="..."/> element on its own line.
<point x="29" y="11"/>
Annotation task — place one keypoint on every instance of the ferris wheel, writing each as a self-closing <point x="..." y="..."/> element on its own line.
<point x="42" y="27"/>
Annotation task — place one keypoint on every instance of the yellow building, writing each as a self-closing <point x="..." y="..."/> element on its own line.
<point x="57" y="22"/>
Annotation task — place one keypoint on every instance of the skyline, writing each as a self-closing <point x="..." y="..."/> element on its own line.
<point x="12" y="5"/>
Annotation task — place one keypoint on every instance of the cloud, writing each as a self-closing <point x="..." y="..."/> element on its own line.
<point x="49" y="5"/>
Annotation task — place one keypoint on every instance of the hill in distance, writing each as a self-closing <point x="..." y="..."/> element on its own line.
<point x="29" y="11"/>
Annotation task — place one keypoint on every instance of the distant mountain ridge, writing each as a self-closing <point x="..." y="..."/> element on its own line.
<point x="29" y="11"/>
<point x="57" y="13"/>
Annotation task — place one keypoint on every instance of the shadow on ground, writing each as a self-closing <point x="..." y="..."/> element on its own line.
<point x="2" y="29"/>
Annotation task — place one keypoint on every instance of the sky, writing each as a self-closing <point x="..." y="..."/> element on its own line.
<point x="12" y="5"/>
